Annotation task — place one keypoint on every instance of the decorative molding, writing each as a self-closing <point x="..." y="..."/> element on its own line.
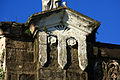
<point x="82" y="53"/>
<point x="62" y="51"/>
<point x="107" y="70"/>
<point x="111" y="70"/>
<point x="63" y="35"/>
<point x="71" y="41"/>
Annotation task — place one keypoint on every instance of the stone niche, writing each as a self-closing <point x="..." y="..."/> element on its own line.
<point x="62" y="26"/>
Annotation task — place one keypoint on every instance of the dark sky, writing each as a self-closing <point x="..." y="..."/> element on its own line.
<point x="105" y="11"/>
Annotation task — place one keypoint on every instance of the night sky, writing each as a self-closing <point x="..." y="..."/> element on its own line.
<point x="105" y="11"/>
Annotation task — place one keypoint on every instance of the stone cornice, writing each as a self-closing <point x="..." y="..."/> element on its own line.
<point x="39" y="15"/>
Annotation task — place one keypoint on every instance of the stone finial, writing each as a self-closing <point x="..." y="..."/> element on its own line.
<point x="49" y="4"/>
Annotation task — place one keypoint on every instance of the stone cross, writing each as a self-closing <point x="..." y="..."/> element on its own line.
<point x="49" y="4"/>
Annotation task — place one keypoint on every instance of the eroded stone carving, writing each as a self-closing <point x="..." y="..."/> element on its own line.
<point x="68" y="36"/>
<point x="82" y="53"/>
<point x="71" y="42"/>
<point x="49" y="4"/>
<point x="42" y="39"/>
<point x="111" y="70"/>
<point x="62" y="52"/>
<point x="107" y="70"/>
<point x="52" y="40"/>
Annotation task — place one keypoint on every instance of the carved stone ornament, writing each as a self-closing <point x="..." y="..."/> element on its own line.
<point x="107" y="70"/>
<point x="52" y="40"/>
<point x="111" y="70"/>
<point x="62" y="51"/>
<point x="63" y="24"/>
<point x="71" y="42"/>
<point x="49" y="4"/>
<point x="82" y="53"/>
<point x="42" y="39"/>
<point x="64" y="36"/>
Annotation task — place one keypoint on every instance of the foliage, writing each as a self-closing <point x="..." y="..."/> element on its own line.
<point x="6" y="20"/>
<point x="45" y="29"/>
<point x="27" y="31"/>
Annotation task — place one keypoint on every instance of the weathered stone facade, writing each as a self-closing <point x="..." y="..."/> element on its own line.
<point x="57" y="44"/>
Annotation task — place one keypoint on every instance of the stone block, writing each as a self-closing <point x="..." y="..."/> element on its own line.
<point x="11" y="55"/>
<point x="19" y="44"/>
<point x="24" y="56"/>
<point x="16" y="44"/>
<point x="16" y="30"/>
<point x="27" y="77"/>
<point x="47" y="74"/>
<point x="29" y="46"/>
<point x="76" y="75"/>
<point x="11" y="76"/>
<point x="18" y="66"/>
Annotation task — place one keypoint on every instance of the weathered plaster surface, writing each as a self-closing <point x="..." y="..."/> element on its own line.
<point x="62" y="51"/>
<point x="42" y="47"/>
<point x="2" y="56"/>
<point x="82" y="53"/>
<point x="63" y="37"/>
<point x="79" y="22"/>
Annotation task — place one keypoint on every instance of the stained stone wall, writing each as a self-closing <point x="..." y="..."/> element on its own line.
<point x="52" y="70"/>
<point x="20" y="61"/>
<point x="22" y="58"/>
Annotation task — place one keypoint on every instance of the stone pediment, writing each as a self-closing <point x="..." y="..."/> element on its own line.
<point x="63" y="16"/>
<point x="63" y="26"/>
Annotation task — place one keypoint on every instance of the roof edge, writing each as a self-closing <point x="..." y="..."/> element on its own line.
<point x="97" y="23"/>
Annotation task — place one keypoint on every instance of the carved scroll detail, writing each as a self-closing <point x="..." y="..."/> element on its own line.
<point x="71" y="41"/>
<point x="111" y="70"/>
